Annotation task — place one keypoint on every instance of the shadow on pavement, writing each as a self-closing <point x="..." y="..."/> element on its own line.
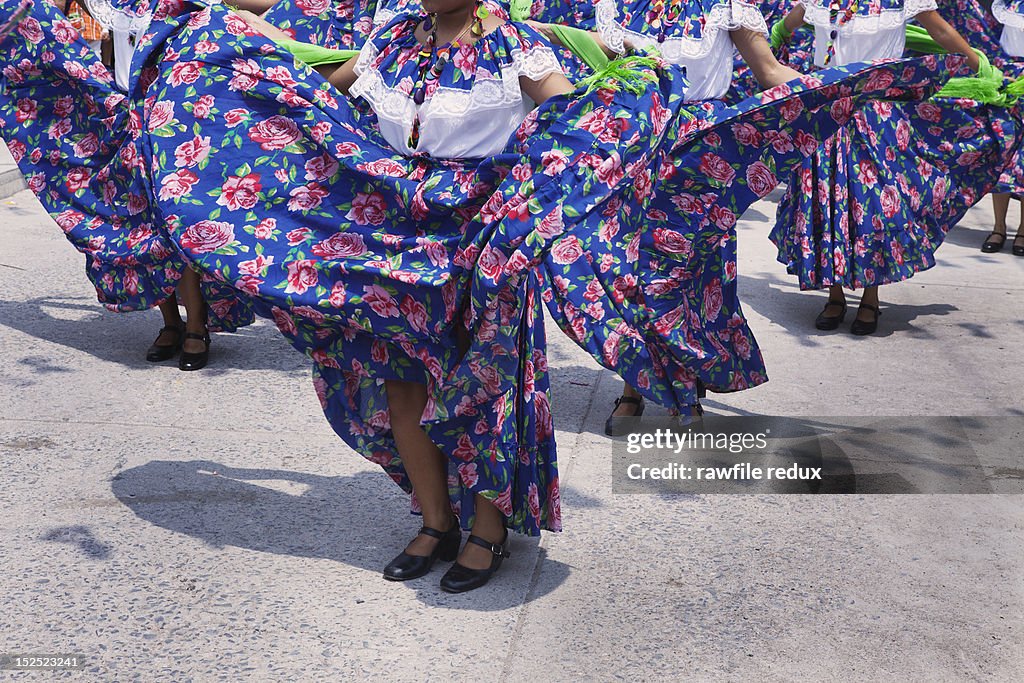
<point x="81" y="537"/>
<point x="124" y="338"/>
<point x="781" y="301"/>
<point x="361" y="520"/>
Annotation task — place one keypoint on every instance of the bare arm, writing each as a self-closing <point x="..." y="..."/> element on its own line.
<point x="344" y="76"/>
<point x="551" y="85"/>
<point x="255" y="6"/>
<point x="758" y="55"/>
<point x="948" y="37"/>
<point x="795" y="19"/>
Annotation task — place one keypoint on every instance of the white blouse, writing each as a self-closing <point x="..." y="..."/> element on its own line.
<point x="455" y="123"/>
<point x="1012" y="38"/>
<point x="881" y="35"/>
<point x="708" y="60"/>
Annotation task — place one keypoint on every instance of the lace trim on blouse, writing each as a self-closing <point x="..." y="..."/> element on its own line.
<point x="725" y="16"/>
<point x="394" y="104"/>
<point x="817" y="13"/>
<point x="1006" y="16"/>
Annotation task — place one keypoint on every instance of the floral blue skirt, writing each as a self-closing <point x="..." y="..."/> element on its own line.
<point x="79" y="143"/>
<point x="975" y="22"/>
<point x="872" y="206"/>
<point x="334" y="24"/>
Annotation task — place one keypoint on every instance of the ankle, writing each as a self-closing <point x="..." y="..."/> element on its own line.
<point x="491" y="530"/>
<point x="442" y="520"/>
<point x="869" y="302"/>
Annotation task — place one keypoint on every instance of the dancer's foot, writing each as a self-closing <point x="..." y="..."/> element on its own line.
<point x="423" y="551"/>
<point x="994" y="242"/>
<point x="626" y="408"/>
<point x="195" y="352"/>
<point x="167" y="344"/>
<point x="831" y="316"/>
<point x="489" y="525"/>
<point x="477" y="563"/>
<point x="1018" y="244"/>
<point x="867" y="320"/>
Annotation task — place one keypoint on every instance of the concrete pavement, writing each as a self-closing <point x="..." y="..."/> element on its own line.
<point x="11" y="180"/>
<point x="208" y="526"/>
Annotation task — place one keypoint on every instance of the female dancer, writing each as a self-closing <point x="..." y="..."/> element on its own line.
<point x="465" y="29"/>
<point x="395" y="270"/>
<point x="699" y="36"/>
<point x="103" y="205"/>
<point x="999" y="33"/>
<point x="873" y="205"/>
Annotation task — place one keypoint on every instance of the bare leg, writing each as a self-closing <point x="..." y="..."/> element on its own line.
<point x="172" y="318"/>
<point x="426" y="466"/>
<point x="1000" y="206"/>
<point x="195" y="309"/>
<point x="835" y="293"/>
<point x="488" y="524"/>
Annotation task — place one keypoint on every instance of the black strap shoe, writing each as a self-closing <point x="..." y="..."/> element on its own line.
<point x="406" y="566"/>
<point x="158" y="353"/>
<point x="459" y="579"/>
<point x="619" y="425"/>
<point x="830" y="322"/>
<point x="1018" y="245"/>
<point x="195" y="361"/>
<point x="992" y="245"/>
<point x="862" y="328"/>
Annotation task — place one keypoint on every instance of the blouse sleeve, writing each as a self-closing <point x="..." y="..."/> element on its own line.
<point x="534" y="57"/>
<point x="747" y="15"/>
<point x="887" y="14"/>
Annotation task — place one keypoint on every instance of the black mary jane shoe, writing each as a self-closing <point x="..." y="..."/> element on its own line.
<point x="830" y="322"/>
<point x="991" y="245"/>
<point x="618" y="425"/>
<point x="195" y="361"/>
<point x="861" y="328"/>
<point x="158" y="353"/>
<point x="459" y="579"/>
<point x="406" y="566"/>
<point x="1018" y="245"/>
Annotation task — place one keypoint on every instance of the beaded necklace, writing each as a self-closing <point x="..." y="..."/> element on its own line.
<point x="664" y="20"/>
<point x="841" y="20"/>
<point x="428" y="74"/>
